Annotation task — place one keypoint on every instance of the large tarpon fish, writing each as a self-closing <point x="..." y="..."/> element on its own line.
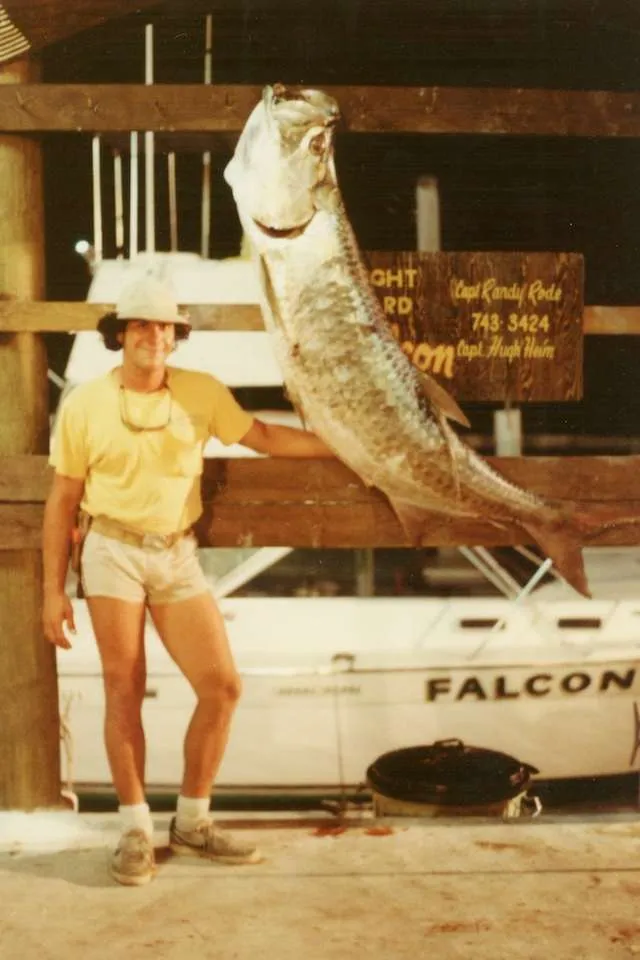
<point x="344" y="372"/>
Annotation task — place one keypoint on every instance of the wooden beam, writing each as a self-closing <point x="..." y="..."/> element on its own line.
<point x="435" y="110"/>
<point x="73" y="316"/>
<point x="314" y="503"/>
<point x="612" y="320"/>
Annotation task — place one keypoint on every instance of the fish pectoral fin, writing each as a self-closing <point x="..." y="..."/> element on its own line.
<point x="276" y="317"/>
<point x="442" y="399"/>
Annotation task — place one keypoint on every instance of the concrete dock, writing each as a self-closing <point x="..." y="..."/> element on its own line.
<point x="392" y="888"/>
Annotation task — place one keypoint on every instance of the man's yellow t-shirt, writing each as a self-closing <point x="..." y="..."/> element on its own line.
<point x="148" y="480"/>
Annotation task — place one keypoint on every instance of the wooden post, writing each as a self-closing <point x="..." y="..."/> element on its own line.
<point x="29" y="719"/>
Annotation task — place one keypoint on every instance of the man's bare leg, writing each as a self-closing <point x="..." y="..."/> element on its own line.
<point x="119" y="629"/>
<point x="194" y="634"/>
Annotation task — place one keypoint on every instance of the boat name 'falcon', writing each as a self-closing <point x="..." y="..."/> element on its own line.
<point x="514" y="684"/>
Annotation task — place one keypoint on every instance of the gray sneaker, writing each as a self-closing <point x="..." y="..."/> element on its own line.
<point x="133" y="862"/>
<point x="212" y="843"/>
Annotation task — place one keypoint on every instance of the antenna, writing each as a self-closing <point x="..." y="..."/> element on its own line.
<point x="149" y="176"/>
<point x="133" y="197"/>
<point x="205" y="243"/>
<point x="118" y="204"/>
<point x="97" y="198"/>
<point x="173" y="204"/>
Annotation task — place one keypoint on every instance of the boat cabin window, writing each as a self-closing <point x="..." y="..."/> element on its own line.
<point x="579" y="623"/>
<point x="398" y="572"/>
<point x="482" y="623"/>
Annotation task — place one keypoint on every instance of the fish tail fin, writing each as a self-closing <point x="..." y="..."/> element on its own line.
<point x="561" y="541"/>
<point x="597" y="518"/>
<point x="559" y="533"/>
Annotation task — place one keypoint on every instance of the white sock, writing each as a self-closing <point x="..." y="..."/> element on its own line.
<point x="190" y="811"/>
<point x="136" y="816"/>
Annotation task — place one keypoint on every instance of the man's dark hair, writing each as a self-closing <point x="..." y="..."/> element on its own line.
<point x="110" y="327"/>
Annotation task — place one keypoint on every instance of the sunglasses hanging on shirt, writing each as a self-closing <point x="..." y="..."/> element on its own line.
<point x="135" y="427"/>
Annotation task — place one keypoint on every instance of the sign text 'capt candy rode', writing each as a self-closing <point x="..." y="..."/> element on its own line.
<point x="490" y="326"/>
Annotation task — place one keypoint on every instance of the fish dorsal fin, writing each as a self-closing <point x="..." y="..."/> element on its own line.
<point x="442" y="400"/>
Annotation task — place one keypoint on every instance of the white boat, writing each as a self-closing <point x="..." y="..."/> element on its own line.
<point x="330" y="683"/>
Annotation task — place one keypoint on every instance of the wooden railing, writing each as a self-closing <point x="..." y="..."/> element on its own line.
<point x="198" y="108"/>
<point x="306" y="503"/>
<point x="75" y="316"/>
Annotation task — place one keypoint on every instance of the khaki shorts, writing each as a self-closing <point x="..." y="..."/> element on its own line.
<point x="111" y="568"/>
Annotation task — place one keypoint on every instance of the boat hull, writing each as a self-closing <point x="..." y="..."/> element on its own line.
<point x="330" y="684"/>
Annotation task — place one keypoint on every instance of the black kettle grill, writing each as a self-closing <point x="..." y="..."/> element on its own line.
<point x="448" y="772"/>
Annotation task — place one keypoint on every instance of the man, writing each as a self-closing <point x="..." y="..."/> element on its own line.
<point x="128" y="452"/>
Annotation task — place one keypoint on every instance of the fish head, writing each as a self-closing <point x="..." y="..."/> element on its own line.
<point x="283" y="168"/>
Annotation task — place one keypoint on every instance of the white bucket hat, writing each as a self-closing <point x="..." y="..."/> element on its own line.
<point x="147" y="298"/>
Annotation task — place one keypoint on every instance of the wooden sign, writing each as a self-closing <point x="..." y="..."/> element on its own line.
<point x="489" y="326"/>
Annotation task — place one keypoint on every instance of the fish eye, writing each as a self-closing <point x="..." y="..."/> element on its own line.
<point x="316" y="145"/>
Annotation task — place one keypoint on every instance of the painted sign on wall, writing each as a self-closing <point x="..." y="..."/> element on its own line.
<point x="490" y="326"/>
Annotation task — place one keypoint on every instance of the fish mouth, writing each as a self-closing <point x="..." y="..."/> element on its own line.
<point x="283" y="233"/>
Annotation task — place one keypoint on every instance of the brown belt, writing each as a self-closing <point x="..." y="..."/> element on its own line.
<point x="156" y="541"/>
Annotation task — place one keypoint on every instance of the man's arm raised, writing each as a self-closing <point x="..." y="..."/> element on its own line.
<point x="276" y="440"/>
